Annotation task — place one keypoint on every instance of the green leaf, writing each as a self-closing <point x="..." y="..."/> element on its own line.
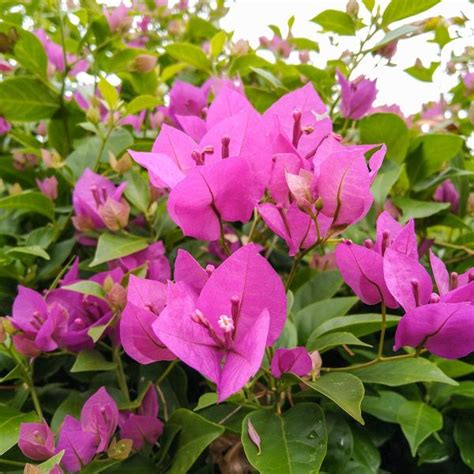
<point x="430" y="152"/>
<point x="113" y="246"/>
<point x="334" y="339"/>
<point x="425" y="74"/>
<point x="87" y="287"/>
<point x="195" y="434"/>
<point x="402" y="372"/>
<point x="171" y="71"/>
<point x="71" y="405"/>
<point x="142" y="102"/>
<point x="10" y="421"/>
<point x="190" y="54"/>
<point x="463" y="430"/>
<point x="34" y="250"/>
<point x="24" y="99"/>
<point x="108" y="92"/>
<point x="386" y="177"/>
<point x="88" y="361"/>
<point x="400" y="9"/>
<point x="268" y="76"/>
<point x="369" y="4"/>
<point x="389" y="129"/>
<point x="365" y="452"/>
<point x="137" y="191"/>
<point x="322" y="286"/>
<point x="336" y="21"/>
<point x="453" y="368"/>
<point x="292" y="443"/>
<point x="344" y="389"/>
<point x="15" y="374"/>
<point x="357" y="324"/>
<point x="217" y="43"/>
<point x="313" y="315"/>
<point x="206" y="400"/>
<point x="418" y="421"/>
<point x="395" y="34"/>
<point x="414" y="209"/>
<point x="29" y="201"/>
<point x="385" y="406"/>
<point x="30" y="53"/>
<point x="47" y="466"/>
<point x="304" y="44"/>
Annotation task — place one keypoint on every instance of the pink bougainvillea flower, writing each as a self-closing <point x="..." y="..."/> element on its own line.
<point x="296" y="361"/>
<point x="299" y="114"/>
<point x="49" y="187"/>
<point x="357" y="96"/>
<point x="143" y="426"/>
<point x="99" y="416"/>
<point x="445" y="281"/>
<point x="223" y="333"/>
<point x="362" y="270"/>
<point x="282" y="164"/>
<point x="91" y="193"/>
<point x="145" y="301"/>
<point x="445" y="329"/>
<point x="157" y="265"/>
<point x="118" y="18"/>
<point x="187" y="99"/>
<point x="407" y="280"/>
<point x="5" y="126"/>
<point x="36" y="441"/>
<point x="447" y="192"/>
<point x="223" y="191"/>
<point x="79" y="446"/>
<point x="296" y="227"/>
<point x="188" y="270"/>
<point x="42" y="323"/>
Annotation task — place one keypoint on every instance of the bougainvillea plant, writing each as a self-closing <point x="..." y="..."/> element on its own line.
<point x="219" y="258"/>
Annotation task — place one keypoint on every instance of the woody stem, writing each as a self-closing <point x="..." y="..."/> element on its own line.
<point x="122" y="382"/>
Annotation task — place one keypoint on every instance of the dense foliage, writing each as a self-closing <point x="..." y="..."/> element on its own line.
<point x="215" y="258"/>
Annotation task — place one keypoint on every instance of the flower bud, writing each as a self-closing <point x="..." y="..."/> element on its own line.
<point x="120" y="450"/>
<point x="304" y="57"/>
<point x="117" y="297"/>
<point x="317" y="364"/>
<point x="15" y="189"/>
<point x="93" y="115"/>
<point x="114" y="214"/>
<point x="352" y="7"/>
<point x="48" y="187"/>
<point x="144" y="63"/>
<point x="388" y="50"/>
<point x="240" y="48"/>
<point x="51" y="159"/>
<point x="122" y="165"/>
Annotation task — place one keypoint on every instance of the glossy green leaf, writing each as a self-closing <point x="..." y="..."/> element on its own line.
<point x="25" y="99"/>
<point x="394" y="35"/>
<point x="334" y="339"/>
<point x="389" y="129"/>
<point x="87" y="287"/>
<point x="142" y="102"/>
<point x="357" y="324"/>
<point x="336" y="21"/>
<point x="195" y="434"/>
<point x="292" y="443"/>
<point x="108" y="92"/>
<point x="10" y="421"/>
<point x="402" y="372"/>
<point x="89" y="361"/>
<point x="34" y="250"/>
<point x="190" y="54"/>
<point x="47" y="466"/>
<point x="217" y="43"/>
<point x="113" y="246"/>
<point x="425" y="74"/>
<point x="415" y="209"/>
<point x="206" y="400"/>
<point x="344" y="389"/>
<point x="365" y="452"/>
<point x="400" y="9"/>
<point x="386" y="177"/>
<point x="29" y="52"/>
<point x="315" y="314"/>
<point x="29" y="201"/>
<point x="463" y="432"/>
<point x="418" y="421"/>
<point x="453" y="368"/>
<point x="384" y="406"/>
<point x="137" y="191"/>
<point x="321" y="286"/>
<point x="304" y="44"/>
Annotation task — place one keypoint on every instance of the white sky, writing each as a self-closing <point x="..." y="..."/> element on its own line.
<point x="249" y="19"/>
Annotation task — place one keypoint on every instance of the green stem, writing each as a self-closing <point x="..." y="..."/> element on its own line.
<point x="254" y="225"/>
<point x="122" y="382"/>
<point x="222" y="238"/>
<point x="167" y="371"/>
<point x="383" y="328"/>
<point x="12" y="463"/>
<point x="34" y="397"/>
<point x="102" y="145"/>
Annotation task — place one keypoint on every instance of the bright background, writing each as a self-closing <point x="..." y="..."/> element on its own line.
<point x="249" y="19"/>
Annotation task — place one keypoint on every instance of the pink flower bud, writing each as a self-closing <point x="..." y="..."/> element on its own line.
<point x="49" y="187"/>
<point x="144" y="63"/>
<point x="114" y="214"/>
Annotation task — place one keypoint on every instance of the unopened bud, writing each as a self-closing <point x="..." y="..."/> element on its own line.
<point x="7" y="326"/>
<point x="144" y="63"/>
<point x="93" y="115"/>
<point x="120" y="450"/>
<point x="317" y="363"/>
<point x="318" y="204"/>
<point x="117" y="297"/>
<point x="15" y="189"/>
<point x="51" y="159"/>
<point x="114" y="214"/>
<point x="122" y="165"/>
<point x="352" y="7"/>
